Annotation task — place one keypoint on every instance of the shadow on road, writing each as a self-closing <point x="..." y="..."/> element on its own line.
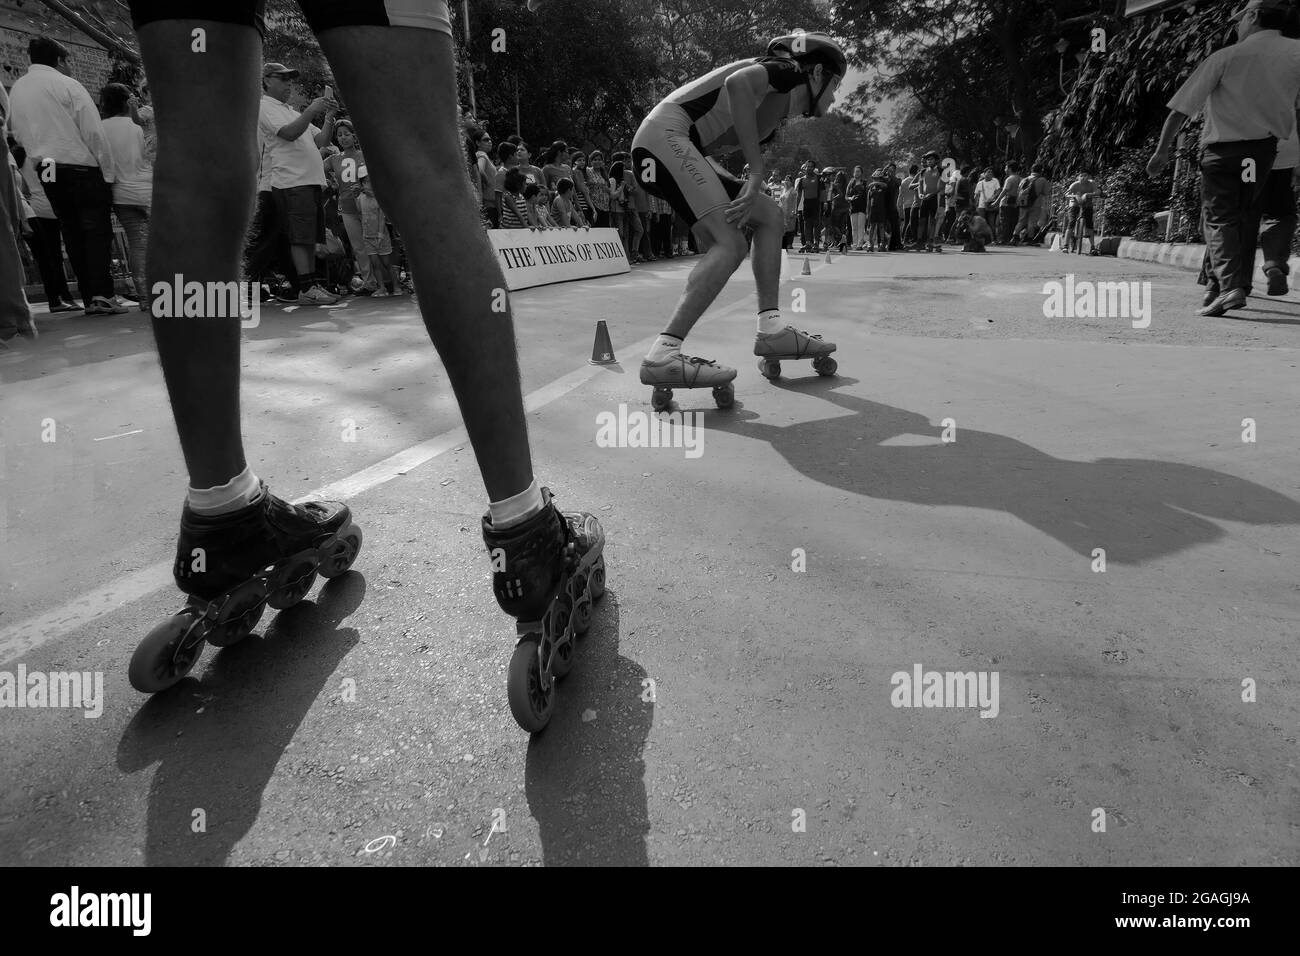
<point x="1137" y="509"/>
<point x="253" y="697"/>
<point x="585" y="780"/>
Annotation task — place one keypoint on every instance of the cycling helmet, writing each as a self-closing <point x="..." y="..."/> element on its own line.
<point x="808" y="49"/>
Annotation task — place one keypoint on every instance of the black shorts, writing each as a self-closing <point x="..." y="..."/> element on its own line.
<point x="301" y="216"/>
<point x="669" y="163"/>
<point x="930" y="206"/>
<point x="320" y="14"/>
<point x="1073" y="216"/>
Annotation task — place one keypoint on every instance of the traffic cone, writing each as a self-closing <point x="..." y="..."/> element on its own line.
<point x="806" y="270"/>
<point x="602" y="351"/>
<point x="828" y="257"/>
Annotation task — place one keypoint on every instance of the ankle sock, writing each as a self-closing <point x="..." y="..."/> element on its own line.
<point x="239" y="492"/>
<point x="665" y="347"/>
<point x="769" y="321"/>
<point x="517" y="508"/>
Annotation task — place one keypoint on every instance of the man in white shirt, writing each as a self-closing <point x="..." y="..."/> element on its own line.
<point x="292" y="144"/>
<point x="53" y="117"/>
<point x="1250" y="92"/>
<point x="986" y="192"/>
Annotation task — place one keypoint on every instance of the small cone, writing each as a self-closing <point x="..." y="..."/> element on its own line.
<point x="806" y="270"/>
<point x="602" y="351"/>
<point x="828" y="257"/>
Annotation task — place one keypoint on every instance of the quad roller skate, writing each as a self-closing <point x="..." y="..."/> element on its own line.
<point x="232" y="566"/>
<point x="547" y="573"/>
<point x="790" y="343"/>
<point x="686" y="371"/>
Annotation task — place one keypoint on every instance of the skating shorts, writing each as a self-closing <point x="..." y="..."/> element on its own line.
<point x="320" y="15"/>
<point x="680" y="173"/>
<point x="930" y="206"/>
<point x="1073" y="216"/>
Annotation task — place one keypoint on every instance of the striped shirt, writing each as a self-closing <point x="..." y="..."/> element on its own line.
<point x="514" y="211"/>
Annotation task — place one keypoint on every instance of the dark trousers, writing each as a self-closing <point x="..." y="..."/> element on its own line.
<point x="84" y="204"/>
<point x="1277" y="219"/>
<point x="812" y="223"/>
<point x="895" y="229"/>
<point x="46" y="243"/>
<point x="268" y="243"/>
<point x="1230" y="209"/>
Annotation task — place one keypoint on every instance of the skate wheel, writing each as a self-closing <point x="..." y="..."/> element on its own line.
<point x="825" y="365"/>
<point x="596" y="583"/>
<point x="297" y="578"/>
<point x="725" y="395"/>
<point x="167" y="653"/>
<point x="582" y="616"/>
<point x="240" y="614"/>
<point x="339" y="558"/>
<point x="530" y="705"/>
<point x="562" y="638"/>
<point x="770" y="369"/>
<point x="661" y="399"/>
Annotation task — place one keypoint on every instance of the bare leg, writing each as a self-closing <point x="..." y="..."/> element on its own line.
<point x="401" y="87"/>
<point x="725" y="251"/>
<point x="204" y="182"/>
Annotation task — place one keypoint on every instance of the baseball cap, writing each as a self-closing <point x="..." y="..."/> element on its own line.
<point x="1261" y="5"/>
<point x="272" y="68"/>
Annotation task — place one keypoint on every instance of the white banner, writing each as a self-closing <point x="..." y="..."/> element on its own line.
<point x="532" y="258"/>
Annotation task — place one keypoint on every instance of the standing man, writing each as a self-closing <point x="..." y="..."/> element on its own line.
<point x="292" y="145"/>
<point x="987" y="191"/>
<point x="1249" y="92"/>
<point x="809" y="192"/>
<point x="1278" y="216"/>
<point x="895" y="187"/>
<point x="53" y="117"/>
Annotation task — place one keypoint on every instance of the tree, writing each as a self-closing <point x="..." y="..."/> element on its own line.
<point x="834" y="140"/>
<point x="968" y="63"/>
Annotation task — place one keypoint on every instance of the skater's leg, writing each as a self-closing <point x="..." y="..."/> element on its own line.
<point x="400" y="84"/>
<point x="725" y="250"/>
<point x="205" y="174"/>
<point x="766" y="254"/>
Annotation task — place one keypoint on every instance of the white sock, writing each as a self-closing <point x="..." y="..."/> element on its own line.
<point x="517" y="508"/>
<point x="665" y="347"/>
<point x="239" y="492"/>
<point x="769" y="321"/>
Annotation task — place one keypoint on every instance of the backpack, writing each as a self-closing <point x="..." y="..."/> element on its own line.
<point x="1026" y="197"/>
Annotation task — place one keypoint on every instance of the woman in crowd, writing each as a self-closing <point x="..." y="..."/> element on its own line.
<point x="581" y="192"/>
<point x="892" y="207"/>
<point x="839" y="210"/>
<point x="482" y="172"/>
<point x="341" y="168"/>
<point x="878" y="212"/>
<point x="789" y="203"/>
<point x="133" y="186"/>
<point x="598" y="188"/>
<point x="909" y="201"/>
<point x="618" y="203"/>
<point x="555" y="164"/>
<point x="857" y="196"/>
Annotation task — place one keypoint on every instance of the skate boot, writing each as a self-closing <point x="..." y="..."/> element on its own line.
<point x="232" y="566"/>
<point x="687" y="371"/>
<point x="791" y="343"/>
<point x="547" y="573"/>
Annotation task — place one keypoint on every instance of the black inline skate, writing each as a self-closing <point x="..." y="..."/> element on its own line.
<point x="232" y="566"/>
<point x="547" y="573"/>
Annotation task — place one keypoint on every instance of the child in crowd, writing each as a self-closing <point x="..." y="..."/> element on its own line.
<point x="538" y="215"/>
<point x="514" y="210"/>
<point x="374" y="234"/>
<point x="563" y="208"/>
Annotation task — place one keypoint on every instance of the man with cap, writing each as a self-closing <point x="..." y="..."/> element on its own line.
<point x="291" y="146"/>
<point x="1250" y="92"/>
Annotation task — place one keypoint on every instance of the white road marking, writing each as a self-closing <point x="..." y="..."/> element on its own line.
<point x="138" y="431"/>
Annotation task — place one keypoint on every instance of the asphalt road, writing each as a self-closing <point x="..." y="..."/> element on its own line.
<point x="945" y="498"/>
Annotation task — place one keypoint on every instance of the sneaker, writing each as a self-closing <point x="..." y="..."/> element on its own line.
<point x="317" y="296"/>
<point x="102" y="305"/>
<point x="56" y="306"/>
<point x="685" y="370"/>
<point x="1277" y="284"/>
